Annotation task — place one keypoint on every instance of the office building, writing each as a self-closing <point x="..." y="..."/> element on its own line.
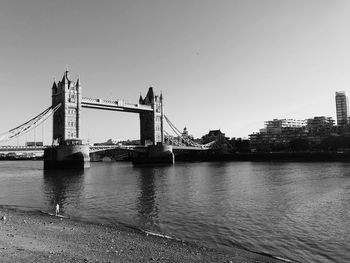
<point x="341" y="103"/>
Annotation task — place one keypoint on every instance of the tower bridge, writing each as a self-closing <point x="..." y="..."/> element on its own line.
<point x="67" y="121"/>
<point x="68" y="150"/>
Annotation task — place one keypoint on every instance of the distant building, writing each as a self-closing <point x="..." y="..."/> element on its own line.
<point x="319" y="123"/>
<point x="108" y="142"/>
<point x="118" y="142"/>
<point x="213" y="135"/>
<point x="276" y="125"/>
<point x="111" y="141"/>
<point x="217" y="139"/>
<point x="279" y="133"/>
<point x="319" y="128"/>
<point x="185" y="133"/>
<point x="341" y="103"/>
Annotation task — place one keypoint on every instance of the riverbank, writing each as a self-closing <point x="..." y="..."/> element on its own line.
<point x="329" y="156"/>
<point x="35" y="237"/>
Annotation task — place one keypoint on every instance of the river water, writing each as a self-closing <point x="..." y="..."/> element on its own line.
<point x="297" y="211"/>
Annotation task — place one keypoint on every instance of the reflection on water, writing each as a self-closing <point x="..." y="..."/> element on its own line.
<point x="147" y="207"/>
<point x="63" y="188"/>
<point x="298" y="211"/>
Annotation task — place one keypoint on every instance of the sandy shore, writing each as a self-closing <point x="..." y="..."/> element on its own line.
<point x="33" y="237"/>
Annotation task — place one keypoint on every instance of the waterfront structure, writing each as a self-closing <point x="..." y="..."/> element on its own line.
<point x="68" y="150"/>
<point x="342" y="108"/>
<point x="278" y="133"/>
<point x="241" y="145"/>
<point x="66" y="120"/>
<point x="213" y="135"/>
<point x="277" y="139"/>
<point x="320" y="125"/>
<point x="218" y="140"/>
<point x="71" y="153"/>
<point x="318" y="128"/>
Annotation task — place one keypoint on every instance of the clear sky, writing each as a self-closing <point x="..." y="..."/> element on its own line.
<point x="226" y="65"/>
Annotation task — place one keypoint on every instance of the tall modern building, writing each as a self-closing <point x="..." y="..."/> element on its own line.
<point x="341" y="103"/>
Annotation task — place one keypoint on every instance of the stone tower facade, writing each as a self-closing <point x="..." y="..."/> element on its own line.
<point x="66" y="120"/>
<point x="151" y="123"/>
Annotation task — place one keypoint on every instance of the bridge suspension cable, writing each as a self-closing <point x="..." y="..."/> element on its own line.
<point x="29" y="125"/>
<point x="180" y="139"/>
<point x="172" y="126"/>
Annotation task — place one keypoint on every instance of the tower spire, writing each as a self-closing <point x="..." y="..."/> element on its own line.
<point x="54" y="85"/>
<point x="78" y="81"/>
<point x="65" y="78"/>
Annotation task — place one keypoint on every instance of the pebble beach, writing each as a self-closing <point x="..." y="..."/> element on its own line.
<point x="39" y="237"/>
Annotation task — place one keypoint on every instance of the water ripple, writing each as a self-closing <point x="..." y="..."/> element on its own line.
<point x="296" y="211"/>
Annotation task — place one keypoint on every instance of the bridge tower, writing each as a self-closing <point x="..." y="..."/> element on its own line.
<point x="152" y="132"/>
<point x="66" y="120"/>
<point x="68" y="152"/>
<point x="151" y="123"/>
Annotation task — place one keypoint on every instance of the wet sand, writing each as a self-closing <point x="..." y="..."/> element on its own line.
<point x="35" y="237"/>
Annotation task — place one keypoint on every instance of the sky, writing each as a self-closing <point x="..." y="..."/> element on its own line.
<point x="226" y="64"/>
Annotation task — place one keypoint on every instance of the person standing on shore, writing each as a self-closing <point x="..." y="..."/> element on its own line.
<point x="57" y="209"/>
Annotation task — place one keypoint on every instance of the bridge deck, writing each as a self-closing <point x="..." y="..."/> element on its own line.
<point x="22" y="148"/>
<point x="117" y="105"/>
<point x="94" y="148"/>
<point x="97" y="148"/>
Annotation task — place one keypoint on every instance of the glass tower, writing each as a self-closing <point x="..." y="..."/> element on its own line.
<point x="341" y="103"/>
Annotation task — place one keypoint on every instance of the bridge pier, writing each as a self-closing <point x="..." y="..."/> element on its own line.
<point x="159" y="154"/>
<point x="67" y="156"/>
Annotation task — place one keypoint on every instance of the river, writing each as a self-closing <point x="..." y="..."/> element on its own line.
<point x="297" y="211"/>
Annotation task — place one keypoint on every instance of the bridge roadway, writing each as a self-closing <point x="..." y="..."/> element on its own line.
<point x="114" y="105"/>
<point x="22" y="148"/>
<point x="94" y="148"/>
